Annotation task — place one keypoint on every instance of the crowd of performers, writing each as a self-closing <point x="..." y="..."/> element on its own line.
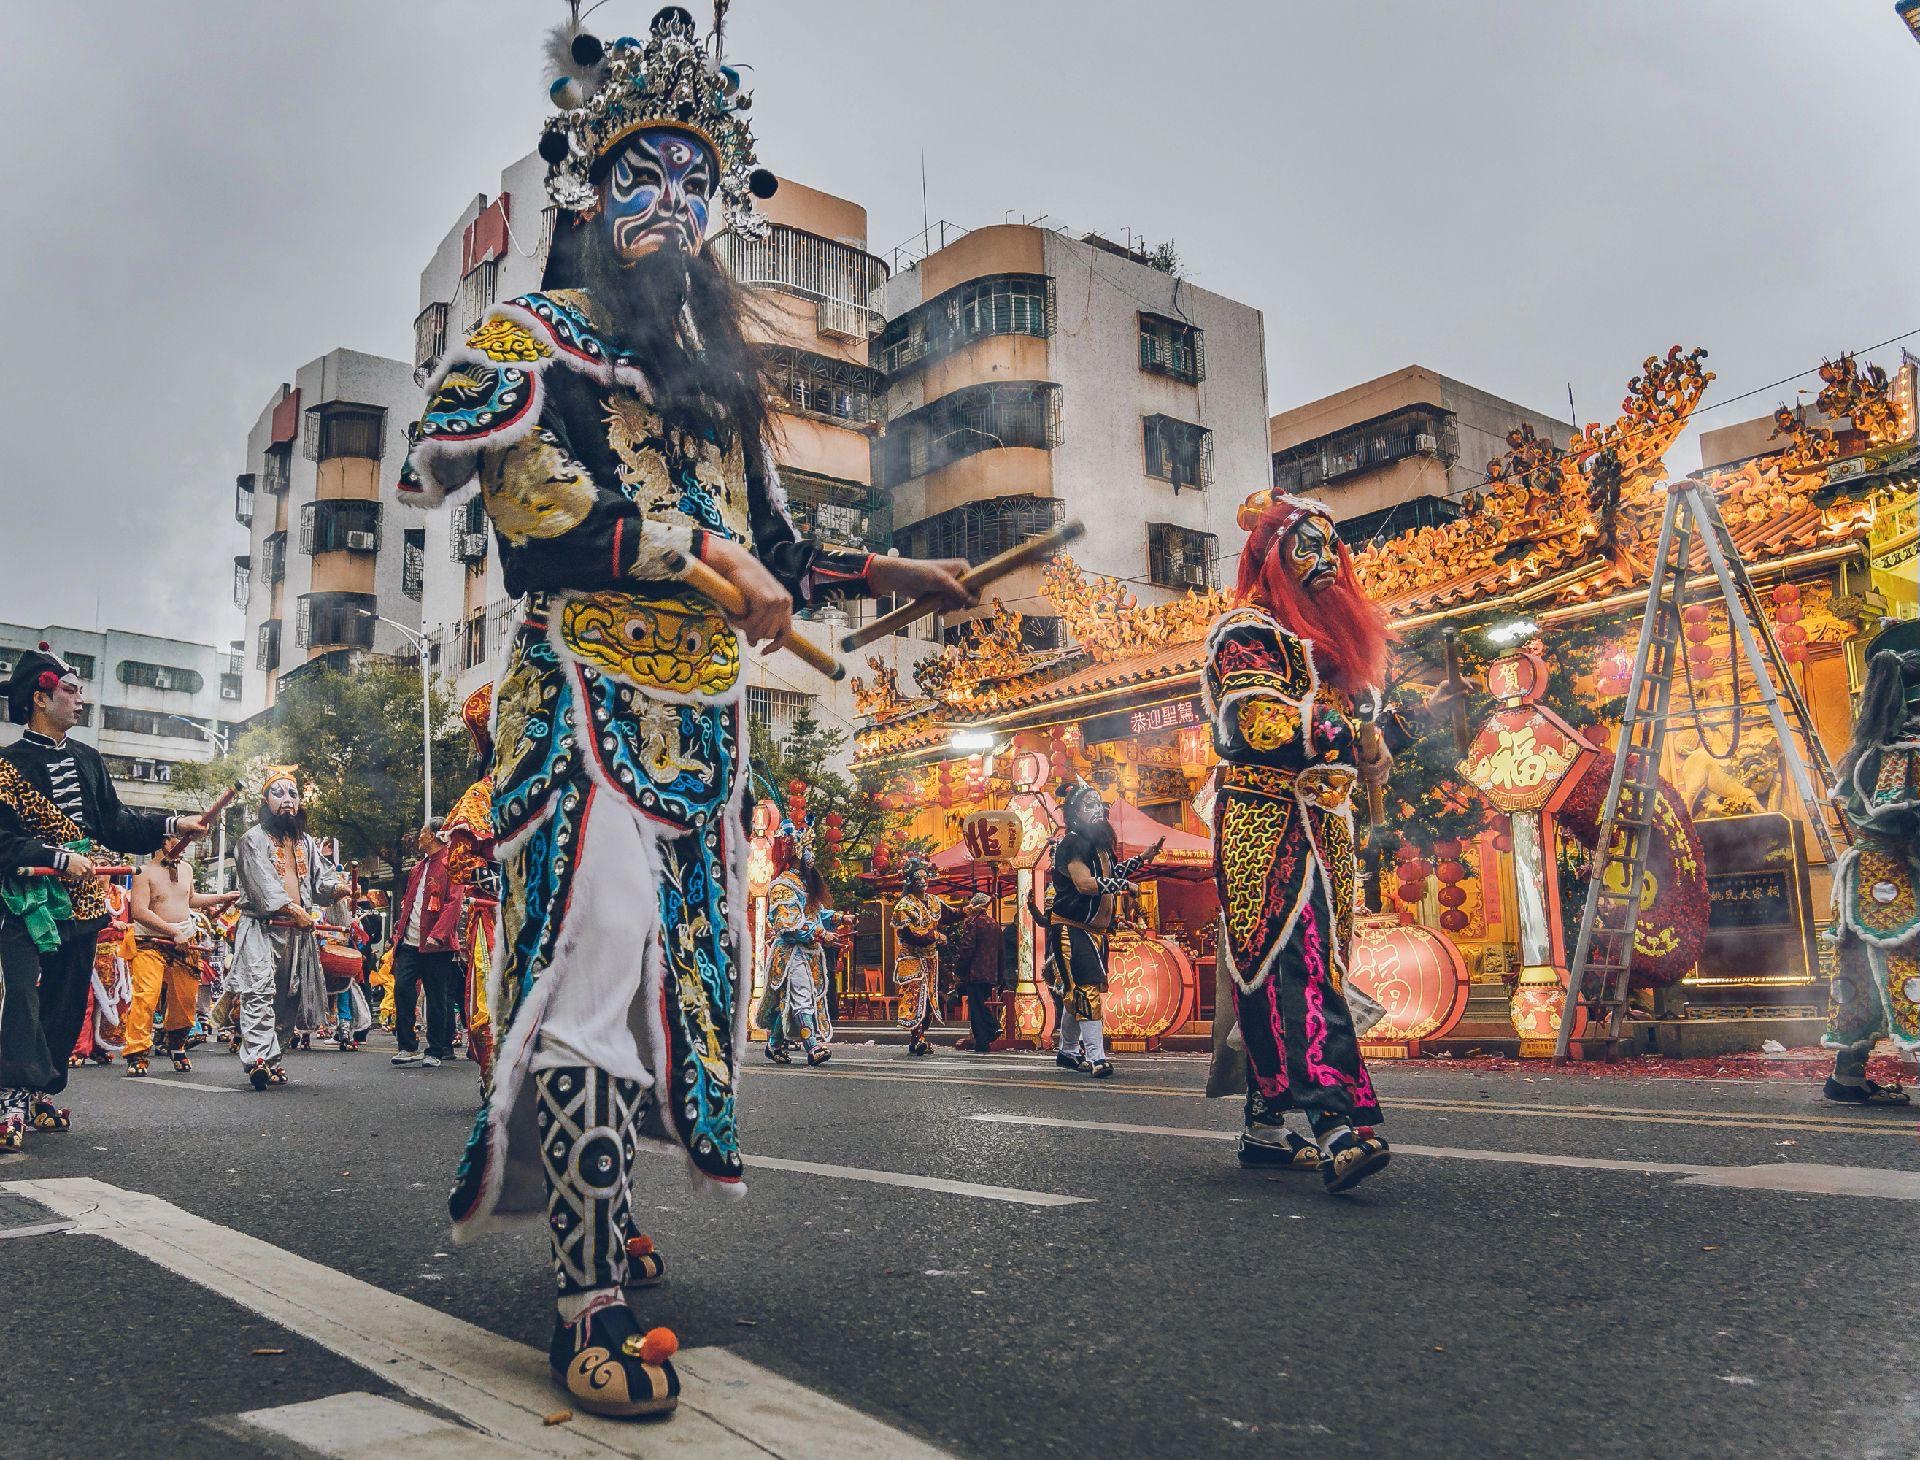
<point x="616" y="425"/>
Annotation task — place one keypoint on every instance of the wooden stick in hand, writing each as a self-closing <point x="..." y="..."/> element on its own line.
<point x="709" y="584"/>
<point x="992" y="569"/>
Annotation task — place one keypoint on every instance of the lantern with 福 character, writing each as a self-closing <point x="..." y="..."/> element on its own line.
<point x="1416" y="975"/>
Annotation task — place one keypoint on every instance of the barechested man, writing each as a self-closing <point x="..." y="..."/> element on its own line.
<point x="166" y="955"/>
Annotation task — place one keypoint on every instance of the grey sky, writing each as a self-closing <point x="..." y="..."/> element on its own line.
<point x="204" y="196"/>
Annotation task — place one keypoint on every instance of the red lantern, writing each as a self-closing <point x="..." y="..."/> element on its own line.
<point x="1414" y="973"/>
<point x="1447" y="847"/>
<point x="1452" y="871"/>
<point x="1700" y="661"/>
<point x="1503" y="842"/>
<point x="882" y="858"/>
<point x="1786" y="593"/>
<point x="1452" y="897"/>
<point x="1787" y="613"/>
<point x="1416" y="869"/>
<point x="1792" y="634"/>
<point x="1412" y="892"/>
<point x="1694" y="613"/>
<point x="1405" y="852"/>
<point x="1454" y="921"/>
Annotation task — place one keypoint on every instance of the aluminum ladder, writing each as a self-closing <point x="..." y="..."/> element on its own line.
<point x="1612" y="912"/>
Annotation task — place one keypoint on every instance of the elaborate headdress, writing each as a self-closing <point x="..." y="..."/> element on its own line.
<point x="1348" y="631"/>
<point x="477" y="715"/>
<point x="37" y="670"/>
<point x="606" y="93"/>
<point x="270" y="774"/>
<point x="916" y="863"/>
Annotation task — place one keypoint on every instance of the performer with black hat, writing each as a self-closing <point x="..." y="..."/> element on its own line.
<point x="57" y="803"/>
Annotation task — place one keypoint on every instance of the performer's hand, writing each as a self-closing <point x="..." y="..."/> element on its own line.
<point x="189" y="825"/>
<point x="1376" y="764"/>
<point x="935" y="578"/>
<point x="78" y="867"/>
<point x="769" y="609"/>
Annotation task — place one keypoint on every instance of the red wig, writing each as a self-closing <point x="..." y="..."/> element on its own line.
<point x="1349" y="632"/>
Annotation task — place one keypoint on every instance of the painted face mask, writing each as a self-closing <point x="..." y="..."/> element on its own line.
<point x="1310" y="555"/>
<point x="657" y="194"/>
<point x="283" y="798"/>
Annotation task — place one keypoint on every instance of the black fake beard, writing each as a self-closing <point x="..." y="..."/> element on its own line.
<point x="281" y="825"/>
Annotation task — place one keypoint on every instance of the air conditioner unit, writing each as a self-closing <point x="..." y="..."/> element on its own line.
<point x="228" y="692"/>
<point x="363" y="542"/>
<point x="1426" y="444"/>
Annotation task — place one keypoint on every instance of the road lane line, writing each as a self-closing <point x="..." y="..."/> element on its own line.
<point x="1802" y="1178"/>
<point x="730" y="1409"/>
<point x="923" y="1183"/>
<point x="161" y="1082"/>
<point x="1631" y="1115"/>
<point x="361" y="1426"/>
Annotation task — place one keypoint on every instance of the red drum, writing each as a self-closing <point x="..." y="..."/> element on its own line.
<point x="340" y="960"/>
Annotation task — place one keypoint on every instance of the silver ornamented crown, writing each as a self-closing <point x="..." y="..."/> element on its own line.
<point x="606" y="93"/>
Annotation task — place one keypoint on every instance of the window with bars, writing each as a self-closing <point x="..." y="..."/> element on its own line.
<point x="467" y="543"/>
<point x="429" y="335"/>
<point x="140" y="675"/>
<point x="413" y="562"/>
<point x="473" y="635"/>
<point x="277" y="468"/>
<point x="267" y="651"/>
<point x="978" y="530"/>
<point x="243" y="499"/>
<point x="1421" y="431"/>
<point x="273" y="557"/>
<point x="1172" y="347"/>
<point x="338" y="429"/>
<point x="340" y="525"/>
<point x="147" y="722"/>
<point x="838" y="511"/>
<point x="822" y="386"/>
<point x="242" y="580"/>
<point x="997" y="304"/>
<point x="776" y="709"/>
<point x="477" y="291"/>
<point x="1182" y="557"/>
<point x="1177" y="451"/>
<point x="973" y="419"/>
<point x="335" y="620"/>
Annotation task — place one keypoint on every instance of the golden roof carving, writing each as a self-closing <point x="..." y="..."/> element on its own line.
<point x="1109" y="622"/>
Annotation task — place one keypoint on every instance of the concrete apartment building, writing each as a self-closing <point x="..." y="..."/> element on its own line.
<point x="328" y="547"/>
<point x="152" y="703"/>
<point x="812" y="277"/>
<point x="1396" y="453"/>
<point x="1032" y="377"/>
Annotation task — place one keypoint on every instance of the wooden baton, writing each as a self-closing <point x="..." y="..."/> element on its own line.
<point x="994" y="568"/>
<point x="709" y="584"/>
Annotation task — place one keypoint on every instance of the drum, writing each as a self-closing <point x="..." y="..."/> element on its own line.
<point x="339" y="959"/>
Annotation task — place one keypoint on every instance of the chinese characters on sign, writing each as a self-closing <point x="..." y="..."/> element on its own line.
<point x="1182" y="714"/>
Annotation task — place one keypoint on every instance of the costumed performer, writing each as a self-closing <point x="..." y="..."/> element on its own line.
<point x="920" y="921"/>
<point x="110" y="990"/>
<point x="802" y="925"/>
<point x="167" y="957"/>
<point x="1086" y="886"/>
<point x="56" y="803"/>
<point x="1876" y="882"/>
<point x="468" y="832"/>
<point x="276" y="976"/>
<point x="617" y="424"/>
<point x="1291" y="685"/>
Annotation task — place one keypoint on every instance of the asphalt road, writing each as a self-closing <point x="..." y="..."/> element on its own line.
<point x="1569" y="1303"/>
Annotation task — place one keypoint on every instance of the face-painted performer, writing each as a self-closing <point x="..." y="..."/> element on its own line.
<point x="468" y="832"/>
<point x="57" y="804"/>
<point x="1291" y="685"/>
<point x="616" y="425"/>
<point x="802" y="925"/>
<point x="276" y="978"/>
<point x="919" y="920"/>
<point x="1876" y="883"/>
<point x="1087" y="883"/>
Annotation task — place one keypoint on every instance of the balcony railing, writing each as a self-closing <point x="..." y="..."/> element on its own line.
<point x="340" y="525"/>
<point x="429" y="335"/>
<point x="973" y="419"/>
<point x="978" y="530"/>
<point x="476" y="294"/>
<point x="273" y="557"/>
<point x="996" y="304"/>
<point x="335" y="620"/>
<point x="278" y="466"/>
<point x="243" y="499"/>
<point x="242" y="580"/>
<point x="818" y="385"/>
<point x="467" y="543"/>
<point x="835" y="275"/>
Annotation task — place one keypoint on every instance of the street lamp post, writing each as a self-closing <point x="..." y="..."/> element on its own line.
<point x="419" y="642"/>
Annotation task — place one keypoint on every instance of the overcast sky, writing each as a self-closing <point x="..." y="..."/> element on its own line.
<point x="199" y="197"/>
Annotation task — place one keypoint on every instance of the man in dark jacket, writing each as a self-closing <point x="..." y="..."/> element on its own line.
<point x="423" y="956"/>
<point x="56" y="803"/>
<point x="977" y="964"/>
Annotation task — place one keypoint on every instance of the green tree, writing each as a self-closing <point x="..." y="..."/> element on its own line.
<point x="356" y="737"/>
<point x="807" y="754"/>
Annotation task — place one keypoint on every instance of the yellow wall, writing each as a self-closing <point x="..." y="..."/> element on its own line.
<point x="1005" y="248"/>
<point x="342" y="572"/>
<point x="354" y="478"/>
<point x="805" y="444"/>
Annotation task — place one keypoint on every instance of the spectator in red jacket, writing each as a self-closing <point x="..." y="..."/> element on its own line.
<point x="423" y="958"/>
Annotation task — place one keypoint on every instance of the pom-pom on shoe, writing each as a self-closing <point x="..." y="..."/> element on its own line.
<point x="258" y="1075"/>
<point x="609" y="1367"/>
<point x="136" y="1066"/>
<point x="1352" y="1160"/>
<point x="1291" y="1152"/>
<point x="181" y="1063"/>
<point x="13" y="1131"/>
<point x="646" y="1267"/>
<point x="45" y="1116"/>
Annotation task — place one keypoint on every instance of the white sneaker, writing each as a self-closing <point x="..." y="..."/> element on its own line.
<point x="429" y="1062"/>
<point x="410" y="1057"/>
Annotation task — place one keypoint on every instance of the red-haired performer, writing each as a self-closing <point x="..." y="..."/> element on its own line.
<point x="1291" y="685"/>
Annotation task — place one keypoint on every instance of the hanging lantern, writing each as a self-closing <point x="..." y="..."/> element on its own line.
<point x="1405" y="852"/>
<point x="1451" y="872"/>
<point x="1700" y="661"/>
<point x="1503" y="841"/>
<point x="1454" y="921"/>
<point x="1417" y="869"/>
<point x="1447" y="848"/>
<point x="1695" y="613"/>
<point x="1786" y="593"/>
<point x="1787" y="613"/>
<point x="1452" y="897"/>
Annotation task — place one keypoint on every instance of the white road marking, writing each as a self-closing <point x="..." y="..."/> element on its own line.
<point x="923" y="1183"/>
<point x="360" y="1426"/>
<point x="728" y="1407"/>
<point x="162" y="1082"/>
<point x="1805" y="1178"/>
<point x="38" y="1229"/>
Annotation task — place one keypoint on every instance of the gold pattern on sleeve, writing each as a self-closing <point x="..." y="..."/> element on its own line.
<point x="533" y="489"/>
<point x="1268" y="724"/>
<point x="504" y="341"/>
